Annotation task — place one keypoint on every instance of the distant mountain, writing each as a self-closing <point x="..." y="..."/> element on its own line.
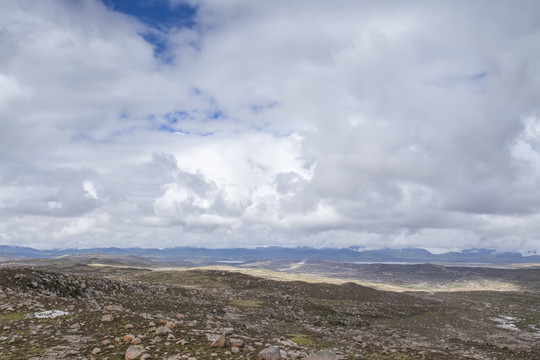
<point x="409" y="255"/>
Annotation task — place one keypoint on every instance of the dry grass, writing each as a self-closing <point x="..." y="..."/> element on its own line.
<point x="483" y="285"/>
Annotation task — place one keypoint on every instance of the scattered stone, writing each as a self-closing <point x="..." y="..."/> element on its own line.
<point x="128" y="339"/>
<point x="235" y="349"/>
<point x="237" y="342"/>
<point x="145" y="357"/>
<point x="128" y="326"/>
<point x="134" y="352"/>
<point x="162" y="330"/>
<point x="107" y="318"/>
<point x="270" y="353"/>
<point x="220" y="341"/>
<point x="170" y="325"/>
<point x="6" y="307"/>
<point x="113" y="308"/>
<point x="323" y="355"/>
<point x="96" y="351"/>
<point x="228" y="331"/>
<point x="136" y="341"/>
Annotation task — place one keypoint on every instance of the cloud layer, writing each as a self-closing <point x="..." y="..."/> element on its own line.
<point x="271" y="123"/>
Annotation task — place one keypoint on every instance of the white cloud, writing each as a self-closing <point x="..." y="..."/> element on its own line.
<point x="292" y="123"/>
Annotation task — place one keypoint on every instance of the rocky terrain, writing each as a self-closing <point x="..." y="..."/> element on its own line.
<point x="111" y="312"/>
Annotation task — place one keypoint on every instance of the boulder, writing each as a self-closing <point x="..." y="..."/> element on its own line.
<point x="220" y="341"/>
<point x="270" y="353"/>
<point x="134" y="352"/>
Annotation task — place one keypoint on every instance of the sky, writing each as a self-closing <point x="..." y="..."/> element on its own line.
<point x="240" y="123"/>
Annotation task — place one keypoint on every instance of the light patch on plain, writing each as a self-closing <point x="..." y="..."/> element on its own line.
<point x="50" y="314"/>
<point x="506" y="322"/>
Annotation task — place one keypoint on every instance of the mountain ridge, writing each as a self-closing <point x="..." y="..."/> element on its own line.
<point x="352" y="254"/>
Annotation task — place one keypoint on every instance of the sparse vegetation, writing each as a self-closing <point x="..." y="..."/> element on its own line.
<point x="246" y="303"/>
<point x="301" y="339"/>
<point x="352" y="320"/>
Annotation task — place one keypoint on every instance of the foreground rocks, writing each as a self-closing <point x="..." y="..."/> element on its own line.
<point x="48" y="315"/>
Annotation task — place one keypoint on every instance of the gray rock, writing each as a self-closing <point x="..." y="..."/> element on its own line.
<point x="220" y="341"/>
<point x="134" y="352"/>
<point x="163" y="330"/>
<point x="323" y="355"/>
<point x="270" y="353"/>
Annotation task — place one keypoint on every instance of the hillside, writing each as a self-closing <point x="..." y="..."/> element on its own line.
<point x="170" y="314"/>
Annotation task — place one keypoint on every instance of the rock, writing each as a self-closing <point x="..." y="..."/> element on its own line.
<point x="235" y="349"/>
<point x="107" y="318"/>
<point x="288" y="343"/>
<point x="113" y="308"/>
<point x="192" y="323"/>
<point x="322" y="355"/>
<point x="145" y="356"/>
<point x="162" y="330"/>
<point x="237" y="342"/>
<point x="270" y="353"/>
<point x="170" y="325"/>
<point x="227" y="331"/>
<point x="136" y="341"/>
<point x="180" y="316"/>
<point x="128" y="339"/>
<point x="295" y="354"/>
<point x="105" y="342"/>
<point x="6" y="307"/>
<point x="171" y="337"/>
<point x="96" y="351"/>
<point x="158" y="339"/>
<point x="151" y="324"/>
<point x="128" y="326"/>
<point x="134" y="352"/>
<point x="220" y="341"/>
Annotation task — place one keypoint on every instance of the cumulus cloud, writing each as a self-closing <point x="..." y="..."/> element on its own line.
<point x="270" y="123"/>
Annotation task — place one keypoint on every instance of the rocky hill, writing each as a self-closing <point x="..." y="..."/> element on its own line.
<point x="222" y="315"/>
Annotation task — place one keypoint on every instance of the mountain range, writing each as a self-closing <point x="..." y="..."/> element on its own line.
<point x="408" y="255"/>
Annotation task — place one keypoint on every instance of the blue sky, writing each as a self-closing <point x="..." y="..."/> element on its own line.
<point x="252" y="123"/>
<point x="158" y="14"/>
